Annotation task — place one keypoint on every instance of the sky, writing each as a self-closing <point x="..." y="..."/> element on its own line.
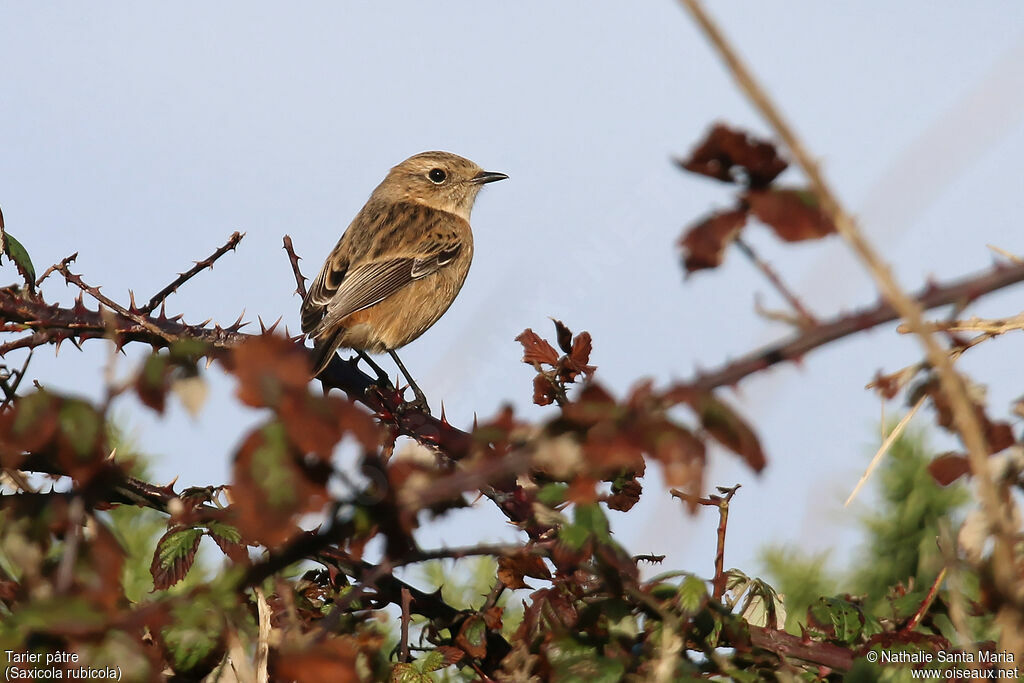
<point x="141" y="136"/>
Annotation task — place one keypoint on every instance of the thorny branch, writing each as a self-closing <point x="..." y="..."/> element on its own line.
<point x="722" y="503"/>
<point x="199" y="266"/>
<point x="999" y="509"/>
<point x="799" y="344"/>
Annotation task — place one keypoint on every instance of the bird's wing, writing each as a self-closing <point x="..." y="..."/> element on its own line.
<point x="372" y="282"/>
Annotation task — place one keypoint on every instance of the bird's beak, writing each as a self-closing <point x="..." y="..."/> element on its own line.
<point x="487" y="177"/>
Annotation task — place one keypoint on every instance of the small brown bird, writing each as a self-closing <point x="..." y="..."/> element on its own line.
<point x="400" y="263"/>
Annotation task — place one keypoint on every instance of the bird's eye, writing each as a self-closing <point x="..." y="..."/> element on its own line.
<point x="437" y="176"/>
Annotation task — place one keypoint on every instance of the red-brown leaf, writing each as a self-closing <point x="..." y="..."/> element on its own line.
<point x="793" y="214"/>
<point x="543" y="392"/>
<point x="730" y="430"/>
<point x="704" y="244"/>
<point x="564" y="336"/>
<point x="733" y="156"/>
<point x="268" y="367"/>
<point x="948" y="467"/>
<point x="536" y="350"/>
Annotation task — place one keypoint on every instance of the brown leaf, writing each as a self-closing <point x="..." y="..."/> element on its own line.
<point x="564" y="336"/>
<point x="536" y="350"/>
<point x="268" y="367"/>
<point x="794" y="214"/>
<point x="704" y="244"/>
<point x="733" y="155"/>
<point x="328" y="661"/>
<point x="948" y="467"/>
<point x="273" y="486"/>
<point x="543" y="392"/>
<point x="513" y="568"/>
<point x="625" y="494"/>
<point x="999" y="435"/>
<point x="730" y="430"/>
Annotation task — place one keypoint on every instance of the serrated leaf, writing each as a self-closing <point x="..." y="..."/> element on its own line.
<point x="473" y="637"/>
<point x="837" y="619"/>
<point x="693" y="593"/>
<point x="536" y="350"/>
<point x="432" y="662"/>
<point x="175" y="553"/>
<point x="405" y="672"/>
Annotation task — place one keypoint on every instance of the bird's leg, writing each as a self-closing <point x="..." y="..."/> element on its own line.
<point x="421" y="400"/>
<point x="382" y="377"/>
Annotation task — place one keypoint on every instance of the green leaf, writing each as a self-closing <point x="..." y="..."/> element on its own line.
<point x="404" y="672"/>
<point x="836" y="618"/>
<point x="591" y="518"/>
<point x="552" y="494"/>
<point x="81" y="425"/>
<point x="19" y="255"/>
<point x="574" y="662"/>
<point x="433" y="661"/>
<point x="693" y="593"/>
<point x="175" y="553"/>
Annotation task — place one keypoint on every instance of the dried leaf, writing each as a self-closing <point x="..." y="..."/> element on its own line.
<point x="948" y="467"/>
<point x="704" y="244"/>
<point x="513" y="568"/>
<point x="564" y="336"/>
<point x="269" y="367"/>
<point x="730" y="430"/>
<point x="536" y="350"/>
<point x="733" y="156"/>
<point x="793" y="214"/>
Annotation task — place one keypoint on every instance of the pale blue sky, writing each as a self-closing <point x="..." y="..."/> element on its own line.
<point x="141" y="136"/>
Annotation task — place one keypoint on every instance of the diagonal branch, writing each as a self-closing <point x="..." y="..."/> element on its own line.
<point x="999" y="509"/>
<point x="795" y="347"/>
<point x="199" y="266"/>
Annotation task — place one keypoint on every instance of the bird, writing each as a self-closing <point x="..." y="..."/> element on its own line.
<point x="400" y="263"/>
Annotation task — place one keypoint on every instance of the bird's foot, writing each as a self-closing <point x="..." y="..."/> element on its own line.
<point x="418" y="404"/>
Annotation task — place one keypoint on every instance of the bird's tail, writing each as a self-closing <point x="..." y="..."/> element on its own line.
<point x="323" y="352"/>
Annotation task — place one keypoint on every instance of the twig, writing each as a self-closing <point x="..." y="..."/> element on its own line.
<point x="95" y="293"/>
<point x="56" y="266"/>
<point x="999" y="510"/>
<point x="722" y="503"/>
<point x="199" y="266"/>
<point x="799" y="344"/>
<point x="926" y="603"/>
<point x="884" y="448"/>
<point x="403" y="647"/>
<point x="990" y="326"/>
<point x="263" y="637"/>
<point x="300" y="282"/>
<point x="766" y="269"/>
<point x="1003" y="252"/>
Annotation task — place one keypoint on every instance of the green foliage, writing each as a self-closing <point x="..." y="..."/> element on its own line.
<point x="900" y="545"/>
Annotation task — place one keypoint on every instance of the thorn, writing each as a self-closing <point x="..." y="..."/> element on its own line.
<point x="131" y="299"/>
<point x="263" y="328"/>
<point x="209" y="362"/>
<point x="113" y="453"/>
<point x="475" y="421"/>
<point x="276" y="323"/>
<point x="204" y="323"/>
<point x="163" y="310"/>
<point x="444" y="420"/>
